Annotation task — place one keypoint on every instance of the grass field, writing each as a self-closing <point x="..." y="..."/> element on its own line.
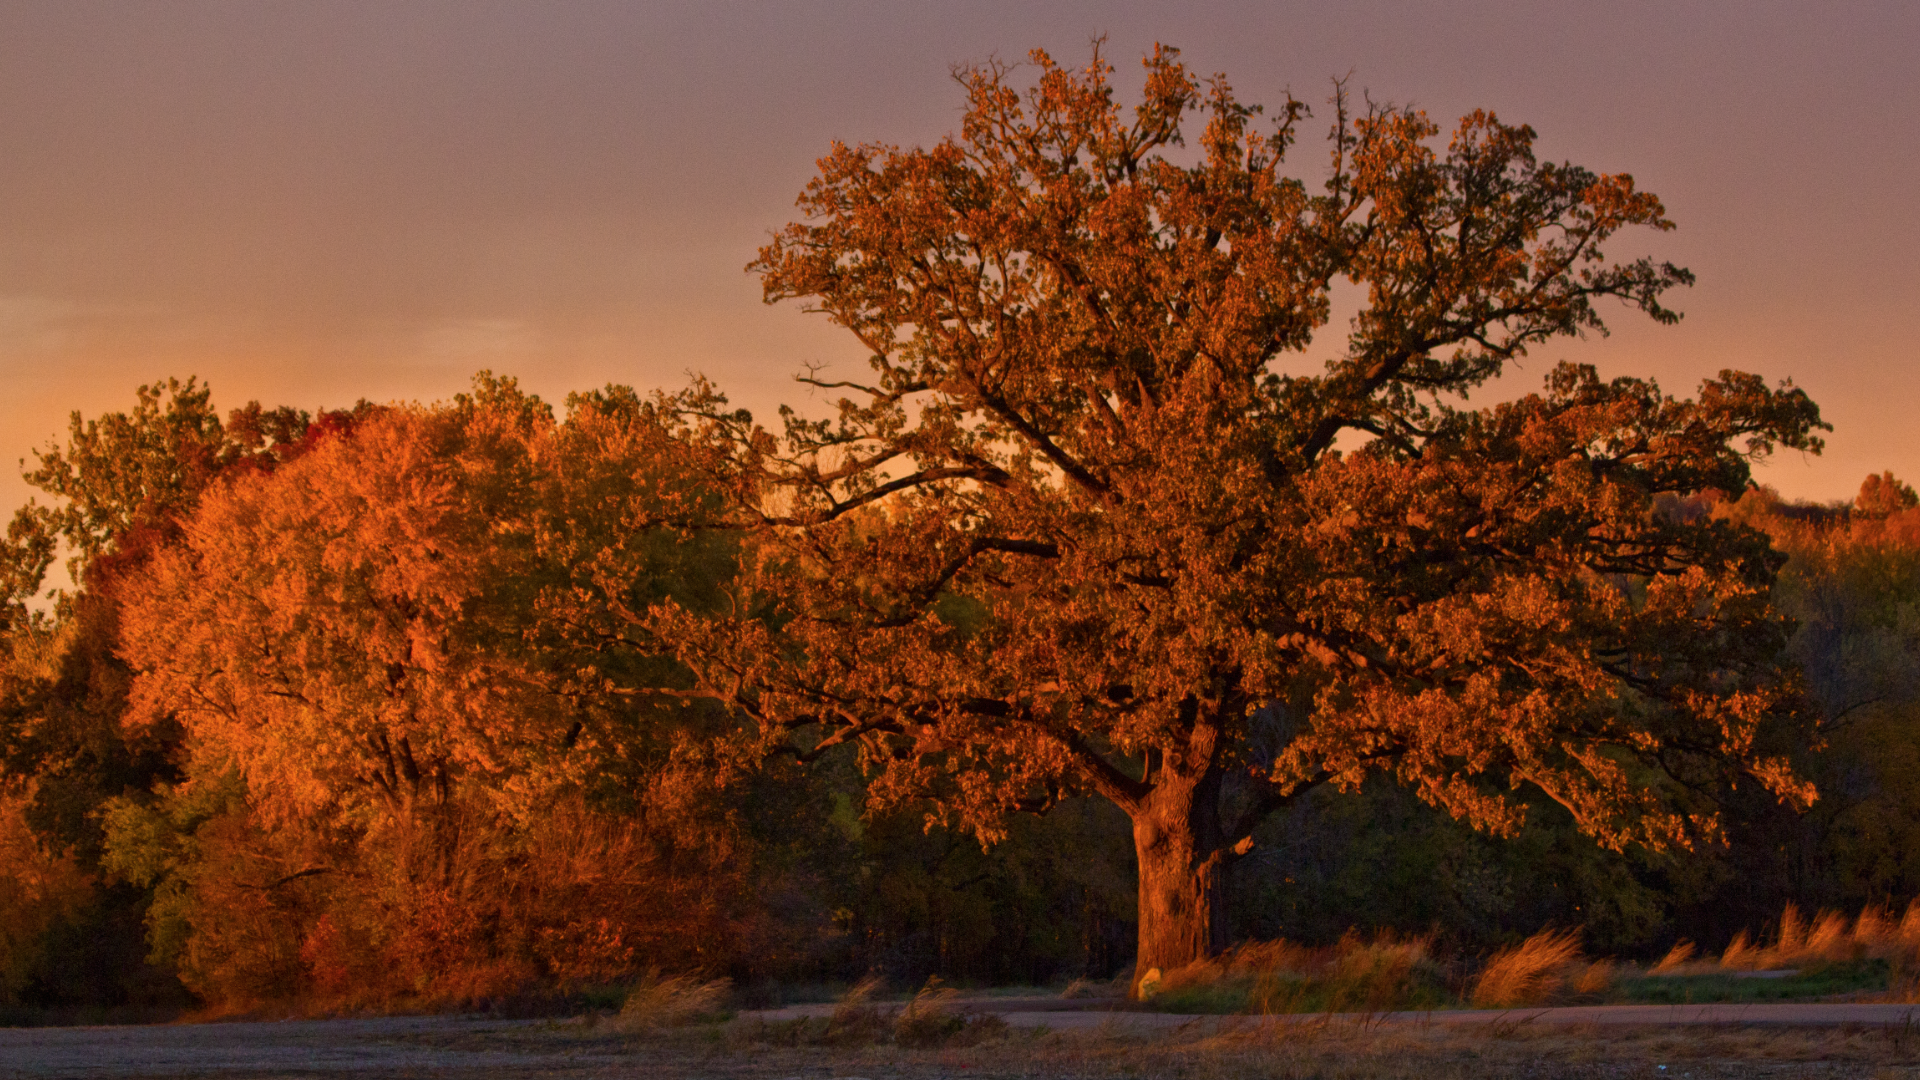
<point x="1867" y="979"/>
<point x="1829" y="958"/>
<point x="1254" y="1048"/>
<point x="1825" y="982"/>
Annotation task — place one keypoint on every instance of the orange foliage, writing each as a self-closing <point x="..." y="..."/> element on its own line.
<point x="408" y="651"/>
<point x="274" y="914"/>
<point x="1882" y="495"/>
<point x="1531" y="972"/>
<point x="335" y="628"/>
<point x="1087" y="527"/>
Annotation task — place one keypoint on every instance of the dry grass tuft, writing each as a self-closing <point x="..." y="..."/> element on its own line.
<point x="657" y="1002"/>
<point x="1900" y="946"/>
<point x="930" y="1018"/>
<point x="1873" y="928"/>
<point x="1266" y="957"/>
<point x="1829" y="939"/>
<point x="1594" y="979"/>
<point x="1681" y="952"/>
<point x="1377" y="975"/>
<point x="1528" y="973"/>
<point x="933" y="1018"/>
<point x="1742" y="954"/>
<point x="1793" y="932"/>
<point x="1272" y="977"/>
<point x="858" y="1019"/>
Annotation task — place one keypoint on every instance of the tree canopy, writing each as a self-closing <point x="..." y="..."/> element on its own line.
<point x="421" y="747"/>
<point x="1096" y="523"/>
<point x="435" y="601"/>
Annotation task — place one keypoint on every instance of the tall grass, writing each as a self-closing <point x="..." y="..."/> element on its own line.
<point x="857" y="1017"/>
<point x="1676" y="958"/>
<point x="1357" y="974"/>
<point x="1828" y="942"/>
<point x="1531" y="972"/>
<point x="934" y="1017"/>
<point x="1367" y="975"/>
<point x="670" y="1001"/>
<point x="1386" y="973"/>
<point x="1830" y="938"/>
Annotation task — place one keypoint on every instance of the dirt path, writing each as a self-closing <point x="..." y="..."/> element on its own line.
<point x="1082" y="1015"/>
<point x="385" y="1046"/>
<point x="490" y="1049"/>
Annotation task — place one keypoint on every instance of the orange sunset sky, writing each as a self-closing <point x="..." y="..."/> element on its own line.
<point x="310" y="203"/>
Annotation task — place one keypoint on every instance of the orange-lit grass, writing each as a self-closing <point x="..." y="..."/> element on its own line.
<point x="1382" y="974"/>
<point x="1357" y="974"/>
<point x="1830" y="938"/>
<point x="1676" y="957"/>
<point x="672" y="1001"/>
<point x="1827" y="941"/>
<point x="1531" y="972"/>
<point x="934" y="1017"/>
<point x="1386" y="973"/>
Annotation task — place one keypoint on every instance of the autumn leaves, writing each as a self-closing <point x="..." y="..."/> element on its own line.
<point x="405" y="663"/>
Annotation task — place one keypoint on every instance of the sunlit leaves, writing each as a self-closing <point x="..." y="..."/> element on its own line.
<point x="124" y="471"/>
<point x="449" y="596"/>
<point x="1084" y="432"/>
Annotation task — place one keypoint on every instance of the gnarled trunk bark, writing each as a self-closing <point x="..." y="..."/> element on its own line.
<point x="1183" y="859"/>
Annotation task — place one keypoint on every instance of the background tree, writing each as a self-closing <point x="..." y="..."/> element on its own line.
<point x="425" y="760"/>
<point x="1882" y="495"/>
<point x="1852" y="585"/>
<point x="1091" y="527"/>
<point x="307" y="602"/>
<point x="116" y="491"/>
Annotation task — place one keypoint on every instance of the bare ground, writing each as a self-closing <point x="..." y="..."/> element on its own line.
<point x="1032" y="1046"/>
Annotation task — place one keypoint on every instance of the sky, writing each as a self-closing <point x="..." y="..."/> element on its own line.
<point x="310" y="203"/>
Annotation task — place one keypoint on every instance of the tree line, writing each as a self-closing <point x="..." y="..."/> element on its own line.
<point x="354" y="714"/>
<point x="1092" y="630"/>
<point x="352" y="708"/>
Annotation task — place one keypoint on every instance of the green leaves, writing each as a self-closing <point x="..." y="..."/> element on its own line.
<point x="127" y="475"/>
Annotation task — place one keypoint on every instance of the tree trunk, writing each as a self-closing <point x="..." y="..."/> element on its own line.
<point x="1183" y="876"/>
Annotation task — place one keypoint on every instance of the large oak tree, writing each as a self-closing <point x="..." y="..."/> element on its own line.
<point x="1095" y="523"/>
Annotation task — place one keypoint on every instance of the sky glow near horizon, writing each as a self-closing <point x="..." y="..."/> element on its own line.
<point x="310" y="204"/>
